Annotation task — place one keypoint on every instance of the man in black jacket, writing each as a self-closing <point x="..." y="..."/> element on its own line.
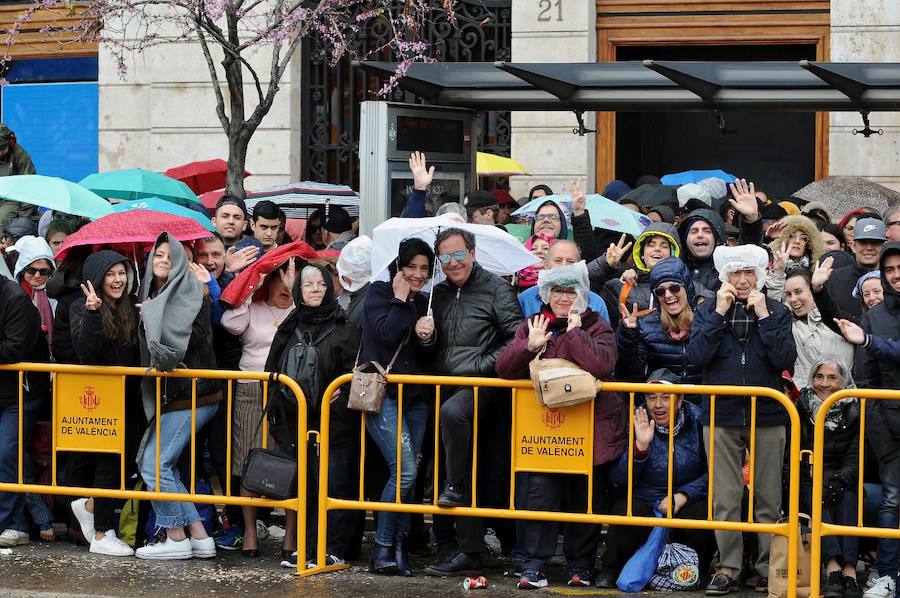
<point x="868" y="238"/>
<point x="743" y="338"/>
<point x="21" y="339"/>
<point x="883" y="417"/>
<point x="476" y="315"/>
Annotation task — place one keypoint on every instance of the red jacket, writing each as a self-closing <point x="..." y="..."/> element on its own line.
<point x="247" y="281"/>
<point x="593" y="348"/>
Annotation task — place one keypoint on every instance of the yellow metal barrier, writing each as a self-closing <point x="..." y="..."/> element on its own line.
<point x="821" y="529"/>
<point x="87" y="379"/>
<point x="522" y="392"/>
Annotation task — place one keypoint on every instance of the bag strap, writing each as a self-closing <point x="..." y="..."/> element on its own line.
<point x="268" y="401"/>
<point x="396" y="354"/>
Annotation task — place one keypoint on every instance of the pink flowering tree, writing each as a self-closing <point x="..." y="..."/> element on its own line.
<point x="228" y="32"/>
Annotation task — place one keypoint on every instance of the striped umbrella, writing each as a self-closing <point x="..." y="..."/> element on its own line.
<point x="299" y="200"/>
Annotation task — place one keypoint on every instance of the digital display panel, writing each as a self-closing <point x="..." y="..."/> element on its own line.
<point x="430" y="135"/>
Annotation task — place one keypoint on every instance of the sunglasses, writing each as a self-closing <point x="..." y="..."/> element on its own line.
<point x="672" y="288"/>
<point x="39" y="271"/>
<point x="455" y="255"/>
<point x="550" y="217"/>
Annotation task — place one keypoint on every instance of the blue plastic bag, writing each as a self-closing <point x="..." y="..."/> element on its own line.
<point x="642" y="564"/>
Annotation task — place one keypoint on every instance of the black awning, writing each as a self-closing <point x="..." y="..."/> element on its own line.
<point x="658" y="86"/>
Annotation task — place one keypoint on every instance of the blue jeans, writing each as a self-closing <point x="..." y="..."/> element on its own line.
<point x="383" y="428"/>
<point x="12" y="504"/>
<point x="175" y="432"/>
<point x="888" y="517"/>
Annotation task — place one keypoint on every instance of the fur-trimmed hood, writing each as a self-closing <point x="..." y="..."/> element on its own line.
<point x="793" y="224"/>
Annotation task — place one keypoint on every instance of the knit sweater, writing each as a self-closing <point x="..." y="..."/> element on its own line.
<point x="256" y="323"/>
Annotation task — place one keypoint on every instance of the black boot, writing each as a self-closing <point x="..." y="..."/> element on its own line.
<point x="401" y="554"/>
<point x="382" y="560"/>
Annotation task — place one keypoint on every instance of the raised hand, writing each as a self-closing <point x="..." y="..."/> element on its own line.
<point x="577" y="198"/>
<point x="289" y="274"/>
<point x="644" y="428"/>
<point x="821" y="273"/>
<point x="574" y="319"/>
<point x="757" y="302"/>
<point x="629" y="319"/>
<point x="401" y="286"/>
<point x="853" y="333"/>
<point x="425" y="327"/>
<point x="629" y="276"/>
<point x="91" y="301"/>
<point x="422" y="175"/>
<point x="781" y="257"/>
<point x="537" y="333"/>
<point x="200" y="272"/>
<point x="725" y="297"/>
<point x="616" y="251"/>
<point x="775" y="229"/>
<point x="744" y="199"/>
<point x="236" y="261"/>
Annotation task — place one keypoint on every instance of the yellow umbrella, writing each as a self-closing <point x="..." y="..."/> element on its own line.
<point x="493" y="165"/>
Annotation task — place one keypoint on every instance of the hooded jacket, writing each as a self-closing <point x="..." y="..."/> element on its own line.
<point x="840" y="289"/>
<point x="605" y="282"/>
<point x="176" y="332"/>
<point x="768" y="351"/>
<point x="648" y="347"/>
<point x="21" y="339"/>
<point x="563" y="227"/>
<point x="65" y="287"/>
<point x="814" y="250"/>
<point x="593" y="348"/>
<point x="873" y="370"/>
<point x="473" y="323"/>
<point x="702" y="270"/>
<point x="90" y="345"/>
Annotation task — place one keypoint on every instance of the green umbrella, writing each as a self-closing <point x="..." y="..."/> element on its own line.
<point x="54" y="193"/>
<point x="137" y="183"/>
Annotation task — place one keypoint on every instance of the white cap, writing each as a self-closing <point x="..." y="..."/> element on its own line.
<point x="355" y="262"/>
<point x="742" y="257"/>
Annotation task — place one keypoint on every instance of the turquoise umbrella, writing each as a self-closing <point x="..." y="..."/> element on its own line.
<point x="161" y="205"/>
<point x="137" y="183"/>
<point x="55" y="194"/>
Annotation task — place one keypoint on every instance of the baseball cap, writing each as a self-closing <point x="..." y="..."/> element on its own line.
<point x="338" y="220"/>
<point x="869" y="229"/>
<point x="231" y="200"/>
<point x="477" y="199"/>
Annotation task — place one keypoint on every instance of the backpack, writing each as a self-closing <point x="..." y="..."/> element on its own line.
<point x="302" y="363"/>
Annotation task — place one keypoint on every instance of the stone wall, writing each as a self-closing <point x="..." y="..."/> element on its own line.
<point x="865" y="31"/>
<point x="553" y="31"/>
<point x="163" y="114"/>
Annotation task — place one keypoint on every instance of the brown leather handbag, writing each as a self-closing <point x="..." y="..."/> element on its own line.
<point x="369" y="383"/>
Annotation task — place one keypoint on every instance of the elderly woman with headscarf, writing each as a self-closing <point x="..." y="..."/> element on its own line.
<point x="354" y="266"/>
<point x="840" y="459"/>
<point x="34" y="266"/>
<point x="566" y="328"/>
<point x="319" y="319"/>
<point x="175" y="332"/>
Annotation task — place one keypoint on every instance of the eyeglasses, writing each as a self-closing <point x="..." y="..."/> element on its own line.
<point x="309" y="286"/>
<point x="548" y="217"/>
<point x="453" y="255"/>
<point x="560" y="293"/>
<point x="799" y="237"/>
<point x="893" y="223"/>
<point x="38" y="271"/>
<point x="661" y="291"/>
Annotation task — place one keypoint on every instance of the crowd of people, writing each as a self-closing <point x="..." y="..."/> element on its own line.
<point x="723" y="287"/>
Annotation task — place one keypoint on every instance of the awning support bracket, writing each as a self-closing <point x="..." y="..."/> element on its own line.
<point x="581" y="130"/>
<point x="867" y="131"/>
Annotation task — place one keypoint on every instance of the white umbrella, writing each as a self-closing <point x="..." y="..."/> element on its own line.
<point x="495" y="249"/>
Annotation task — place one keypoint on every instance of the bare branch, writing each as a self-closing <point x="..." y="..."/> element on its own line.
<point x="217" y="88"/>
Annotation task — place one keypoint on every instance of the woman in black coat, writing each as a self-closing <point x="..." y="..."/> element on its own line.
<point x="319" y="320"/>
<point x="103" y="326"/>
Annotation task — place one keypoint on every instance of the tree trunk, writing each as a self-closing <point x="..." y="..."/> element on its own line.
<point x="238" y="141"/>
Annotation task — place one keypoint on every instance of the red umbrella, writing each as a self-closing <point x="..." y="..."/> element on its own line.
<point x="201" y="177"/>
<point x="210" y="198"/>
<point x="133" y="226"/>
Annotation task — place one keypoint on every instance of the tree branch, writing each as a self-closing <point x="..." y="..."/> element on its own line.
<point x="220" y="99"/>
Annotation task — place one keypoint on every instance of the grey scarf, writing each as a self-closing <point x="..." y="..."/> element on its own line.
<point x="167" y="319"/>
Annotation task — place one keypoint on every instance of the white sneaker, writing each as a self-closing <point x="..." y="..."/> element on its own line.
<point x="111" y="545"/>
<point x="168" y="550"/>
<point x="276" y="532"/>
<point x="204" y="548"/>
<point x="85" y="519"/>
<point x="882" y="587"/>
<point x="13" y="537"/>
<point x="262" y="532"/>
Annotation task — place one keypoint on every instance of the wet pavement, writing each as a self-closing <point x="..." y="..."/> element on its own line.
<point x="61" y="569"/>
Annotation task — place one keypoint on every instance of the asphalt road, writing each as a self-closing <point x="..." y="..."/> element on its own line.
<point x="61" y="569"/>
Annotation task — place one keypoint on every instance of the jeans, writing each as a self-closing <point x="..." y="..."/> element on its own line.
<point x="383" y="428"/>
<point x="175" y="434"/>
<point x="12" y="504"/>
<point x="888" y="517"/>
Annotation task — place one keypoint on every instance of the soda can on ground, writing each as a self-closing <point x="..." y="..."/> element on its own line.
<point x="475" y="583"/>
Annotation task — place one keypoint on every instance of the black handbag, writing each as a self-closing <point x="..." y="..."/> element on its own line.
<point x="269" y="472"/>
